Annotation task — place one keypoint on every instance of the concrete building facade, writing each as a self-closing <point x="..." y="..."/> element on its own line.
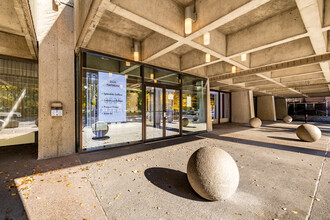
<point x="269" y="49"/>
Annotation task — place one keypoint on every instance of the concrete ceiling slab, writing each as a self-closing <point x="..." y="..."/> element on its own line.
<point x="8" y="17"/>
<point x="123" y="27"/>
<point x="183" y="3"/>
<point x="183" y="50"/>
<point x="261" y="13"/>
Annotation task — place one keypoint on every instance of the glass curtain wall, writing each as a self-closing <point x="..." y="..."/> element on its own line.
<point x="18" y="102"/>
<point x="111" y="102"/>
<point x="214" y="95"/>
<point x="193" y="104"/>
<point x="224" y="107"/>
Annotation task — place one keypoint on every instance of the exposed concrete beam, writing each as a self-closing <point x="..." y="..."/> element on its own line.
<point x="188" y="40"/>
<point x="229" y="17"/>
<point x="278" y="83"/>
<point x="23" y="12"/>
<point x="277" y="66"/>
<point x="93" y="18"/>
<point x="201" y="65"/>
<point x="313" y="20"/>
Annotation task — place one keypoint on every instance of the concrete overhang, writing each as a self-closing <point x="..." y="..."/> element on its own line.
<point x="17" y="33"/>
<point x="279" y="38"/>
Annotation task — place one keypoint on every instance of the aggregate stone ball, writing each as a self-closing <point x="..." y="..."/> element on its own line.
<point x="100" y="128"/>
<point x="185" y="122"/>
<point x="213" y="173"/>
<point x="195" y="118"/>
<point x="287" y="119"/>
<point x="308" y="132"/>
<point x="255" y="122"/>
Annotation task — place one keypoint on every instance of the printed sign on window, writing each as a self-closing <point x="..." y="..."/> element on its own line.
<point x="188" y="101"/>
<point x="111" y="97"/>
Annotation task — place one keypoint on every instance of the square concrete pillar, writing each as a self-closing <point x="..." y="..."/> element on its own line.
<point x="281" y="108"/>
<point x="242" y="107"/>
<point x="266" y="108"/>
<point x="54" y="28"/>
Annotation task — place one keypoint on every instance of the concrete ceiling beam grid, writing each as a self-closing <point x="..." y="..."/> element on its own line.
<point x="313" y="20"/>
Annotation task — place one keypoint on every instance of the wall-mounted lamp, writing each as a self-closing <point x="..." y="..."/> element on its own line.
<point x="207" y="57"/>
<point x="57" y="2"/>
<point x="136" y="50"/>
<point x="243" y="57"/>
<point x="207" y="38"/>
<point x="190" y="17"/>
<point x="233" y="69"/>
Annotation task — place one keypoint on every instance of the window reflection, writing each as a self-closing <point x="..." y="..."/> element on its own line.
<point x="18" y="102"/>
<point x="111" y="103"/>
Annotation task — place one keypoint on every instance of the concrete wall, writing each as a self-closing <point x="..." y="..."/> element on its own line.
<point x="281" y="108"/>
<point x="266" y="108"/>
<point x="242" y="108"/>
<point x="54" y="27"/>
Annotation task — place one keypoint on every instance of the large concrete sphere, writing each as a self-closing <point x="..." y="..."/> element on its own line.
<point x="255" y="122"/>
<point x="213" y="173"/>
<point x="287" y="119"/>
<point x="308" y="132"/>
<point x="185" y="122"/>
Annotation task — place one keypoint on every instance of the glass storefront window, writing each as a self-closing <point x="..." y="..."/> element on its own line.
<point x="193" y="104"/>
<point x="156" y="75"/>
<point x="224" y="107"/>
<point x="18" y="102"/>
<point x="214" y="106"/>
<point x="112" y="109"/>
<point x="111" y="103"/>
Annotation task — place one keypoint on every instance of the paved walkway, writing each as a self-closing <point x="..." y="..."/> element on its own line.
<point x="280" y="178"/>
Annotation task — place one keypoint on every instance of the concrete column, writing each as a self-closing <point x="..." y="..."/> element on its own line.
<point x="208" y="107"/>
<point x="281" y="108"/>
<point x="266" y="108"/>
<point x="54" y="27"/>
<point x="242" y="107"/>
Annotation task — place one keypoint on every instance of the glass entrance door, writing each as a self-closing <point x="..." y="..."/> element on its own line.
<point x="162" y="114"/>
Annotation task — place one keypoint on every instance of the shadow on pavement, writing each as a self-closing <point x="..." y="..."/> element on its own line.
<point x="172" y="181"/>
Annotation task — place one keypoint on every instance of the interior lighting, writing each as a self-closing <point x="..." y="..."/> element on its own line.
<point x="233" y="69"/>
<point x="243" y="57"/>
<point x="190" y="17"/>
<point x="207" y="57"/>
<point x="207" y="38"/>
<point x="136" y="50"/>
<point x="128" y="63"/>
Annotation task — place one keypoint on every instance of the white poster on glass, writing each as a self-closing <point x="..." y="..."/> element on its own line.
<point x="111" y="97"/>
<point x="188" y="101"/>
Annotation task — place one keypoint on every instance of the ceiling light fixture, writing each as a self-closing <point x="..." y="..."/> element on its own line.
<point x="57" y="2"/>
<point x="233" y="69"/>
<point x="207" y="38"/>
<point x="243" y="57"/>
<point x="136" y="50"/>
<point x="207" y="57"/>
<point x="190" y="17"/>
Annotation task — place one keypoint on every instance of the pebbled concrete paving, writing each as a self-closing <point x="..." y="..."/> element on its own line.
<point x="279" y="179"/>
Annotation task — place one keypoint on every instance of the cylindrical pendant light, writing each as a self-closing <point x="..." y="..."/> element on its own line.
<point x="243" y="57"/>
<point x="190" y="16"/>
<point x="207" y="38"/>
<point x="207" y="58"/>
<point x="233" y="69"/>
<point x="136" y="50"/>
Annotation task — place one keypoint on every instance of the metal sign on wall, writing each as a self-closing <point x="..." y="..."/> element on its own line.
<point x="111" y="97"/>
